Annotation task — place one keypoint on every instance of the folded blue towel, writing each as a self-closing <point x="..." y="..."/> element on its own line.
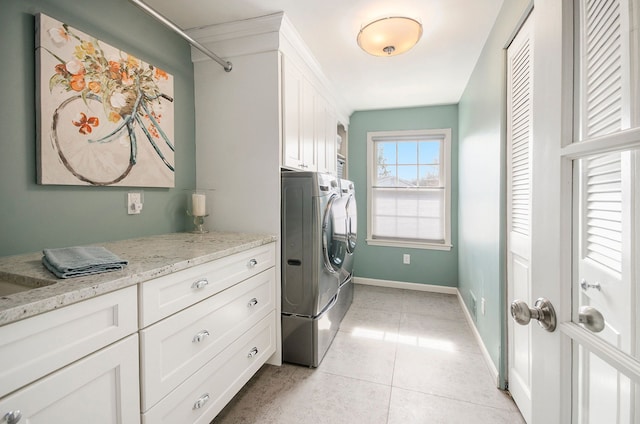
<point x="69" y="262"/>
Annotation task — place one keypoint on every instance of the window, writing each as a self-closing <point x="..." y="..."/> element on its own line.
<point x="409" y="194"/>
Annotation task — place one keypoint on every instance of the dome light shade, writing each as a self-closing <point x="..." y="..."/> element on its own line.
<point x="389" y="36"/>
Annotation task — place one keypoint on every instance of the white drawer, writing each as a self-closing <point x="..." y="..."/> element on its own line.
<point x="166" y="295"/>
<point x="178" y="346"/>
<point x="199" y="399"/>
<point x="36" y="346"/>
<point x="99" y="389"/>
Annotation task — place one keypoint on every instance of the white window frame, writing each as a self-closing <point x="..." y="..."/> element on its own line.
<point x="445" y="133"/>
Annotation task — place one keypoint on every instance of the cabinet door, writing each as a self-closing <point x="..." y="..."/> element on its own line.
<point x="99" y="389"/>
<point x="292" y="146"/>
<point x="308" y="123"/>
<point x="325" y="135"/>
<point x="321" y="133"/>
<point x="36" y="346"/>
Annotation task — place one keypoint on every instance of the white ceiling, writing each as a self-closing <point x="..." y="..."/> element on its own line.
<point x="434" y="72"/>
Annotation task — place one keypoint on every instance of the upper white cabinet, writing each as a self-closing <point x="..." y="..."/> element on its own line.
<point x="309" y="123"/>
<point x="308" y="110"/>
<point x="298" y="144"/>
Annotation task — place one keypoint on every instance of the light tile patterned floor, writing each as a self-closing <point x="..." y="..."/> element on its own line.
<point x="400" y="357"/>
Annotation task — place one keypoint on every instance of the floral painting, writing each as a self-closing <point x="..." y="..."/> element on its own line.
<point x="105" y="118"/>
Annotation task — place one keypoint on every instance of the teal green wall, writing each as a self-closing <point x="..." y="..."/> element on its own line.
<point x="481" y="220"/>
<point x="385" y="263"/>
<point x="33" y="216"/>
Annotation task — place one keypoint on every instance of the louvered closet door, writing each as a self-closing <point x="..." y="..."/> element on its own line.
<point x="519" y="120"/>
<point x="608" y="67"/>
<point x="606" y="206"/>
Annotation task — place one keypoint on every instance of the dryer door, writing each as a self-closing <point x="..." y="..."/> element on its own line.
<point x="334" y="235"/>
<point x="352" y="224"/>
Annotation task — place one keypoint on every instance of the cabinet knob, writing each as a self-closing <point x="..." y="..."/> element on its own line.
<point x="201" y="401"/>
<point x="13" y="417"/>
<point x="253" y="302"/>
<point x="200" y="336"/>
<point x="200" y="284"/>
<point x="253" y="352"/>
<point x="253" y="262"/>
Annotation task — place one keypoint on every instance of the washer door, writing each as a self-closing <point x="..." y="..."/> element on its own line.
<point x="334" y="235"/>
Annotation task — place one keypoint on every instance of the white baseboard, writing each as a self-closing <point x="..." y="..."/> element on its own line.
<point x="485" y="353"/>
<point x="407" y="286"/>
<point x="439" y="289"/>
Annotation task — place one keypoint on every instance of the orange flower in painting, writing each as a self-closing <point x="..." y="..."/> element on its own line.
<point x="85" y="123"/>
<point x="126" y="79"/>
<point x="95" y="87"/>
<point x="114" y="70"/>
<point x="77" y="82"/>
<point x="61" y="69"/>
<point x="160" y="74"/>
<point x="114" y="116"/>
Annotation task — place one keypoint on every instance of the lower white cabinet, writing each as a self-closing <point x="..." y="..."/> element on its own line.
<point x="91" y="363"/>
<point x="101" y="388"/>
<point x="178" y="346"/>
<point x="193" y="361"/>
<point x="36" y="346"/>
<point x="203" y="395"/>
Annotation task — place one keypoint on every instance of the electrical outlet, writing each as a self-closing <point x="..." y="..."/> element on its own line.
<point x="134" y="203"/>
<point x="482" y="305"/>
<point x="406" y="259"/>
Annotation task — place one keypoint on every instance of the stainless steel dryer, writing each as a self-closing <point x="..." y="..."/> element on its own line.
<point x="349" y="215"/>
<point x="313" y="252"/>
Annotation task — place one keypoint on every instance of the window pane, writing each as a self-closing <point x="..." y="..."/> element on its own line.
<point x="408" y="214"/>
<point x="407" y="175"/>
<point x="387" y="176"/>
<point x="429" y="152"/>
<point x="429" y="176"/>
<point x="386" y="152"/>
<point x="408" y="152"/>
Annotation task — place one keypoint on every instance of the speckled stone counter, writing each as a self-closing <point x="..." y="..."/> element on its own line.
<point x="148" y="257"/>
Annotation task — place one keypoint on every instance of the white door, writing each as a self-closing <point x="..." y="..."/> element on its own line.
<point x="585" y="207"/>
<point x="519" y="120"/>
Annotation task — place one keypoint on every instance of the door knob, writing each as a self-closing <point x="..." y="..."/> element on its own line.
<point x="591" y="318"/>
<point x="542" y="311"/>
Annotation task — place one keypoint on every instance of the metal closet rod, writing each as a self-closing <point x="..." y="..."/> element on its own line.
<point x="225" y="64"/>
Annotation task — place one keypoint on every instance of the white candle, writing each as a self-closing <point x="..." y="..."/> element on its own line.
<point x="198" y="204"/>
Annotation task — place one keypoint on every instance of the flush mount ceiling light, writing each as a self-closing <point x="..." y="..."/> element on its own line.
<point x="389" y="36"/>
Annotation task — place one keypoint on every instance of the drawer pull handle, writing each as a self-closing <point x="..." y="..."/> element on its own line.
<point x="253" y="302"/>
<point x="200" y="402"/>
<point x="13" y="417"/>
<point x="253" y="352"/>
<point x="200" y="336"/>
<point x="252" y="263"/>
<point x="200" y="284"/>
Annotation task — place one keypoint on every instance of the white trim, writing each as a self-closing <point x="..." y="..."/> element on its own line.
<point x="447" y="163"/>
<point x="405" y="286"/>
<point x="483" y="349"/>
<point x="408" y="244"/>
<point x="439" y="289"/>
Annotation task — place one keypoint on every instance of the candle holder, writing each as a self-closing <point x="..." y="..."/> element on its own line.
<point x="197" y="209"/>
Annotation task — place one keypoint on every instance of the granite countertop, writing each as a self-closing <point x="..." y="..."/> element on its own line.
<point x="149" y="257"/>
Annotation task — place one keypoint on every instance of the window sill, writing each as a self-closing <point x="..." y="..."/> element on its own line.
<point x="408" y="245"/>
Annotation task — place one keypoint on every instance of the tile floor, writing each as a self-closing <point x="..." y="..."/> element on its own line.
<point x="400" y="356"/>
